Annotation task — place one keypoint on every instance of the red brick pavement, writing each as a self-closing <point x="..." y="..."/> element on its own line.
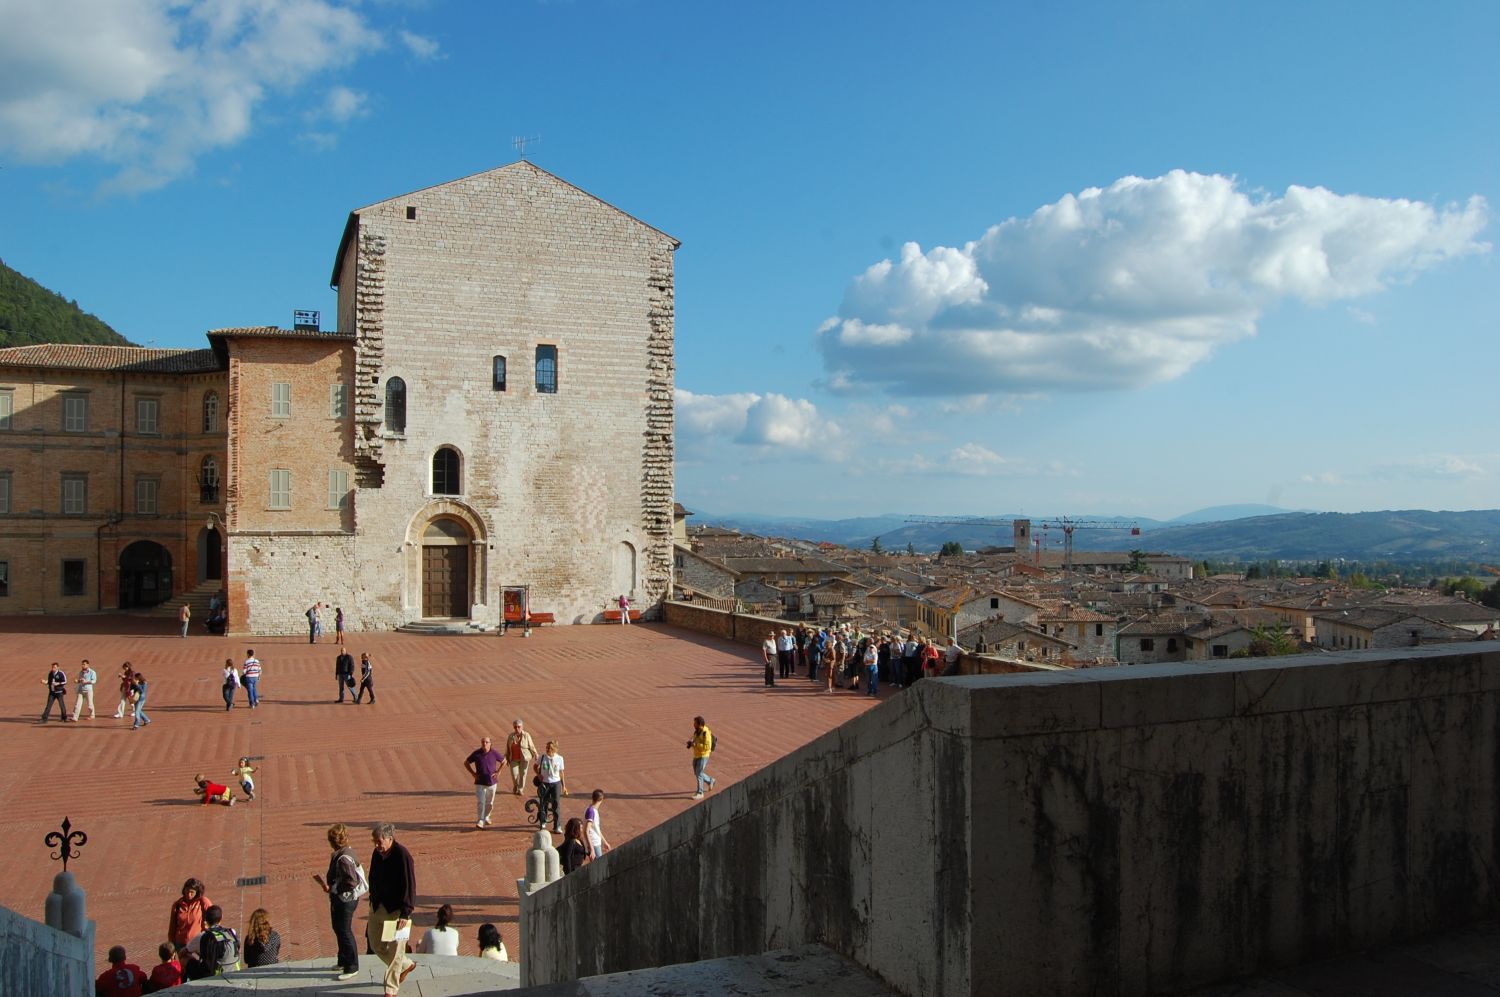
<point x="619" y="700"/>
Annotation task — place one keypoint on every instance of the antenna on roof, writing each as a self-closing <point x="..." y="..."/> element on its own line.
<point x="522" y="141"/>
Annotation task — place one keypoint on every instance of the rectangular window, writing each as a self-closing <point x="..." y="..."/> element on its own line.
<point x="1098" y="630"/>
<point x="546" y="370"/>
<point x="75" y="413"/>
<point x="73" y="577"/>
<point x="4" y="579"/>
<point x="338" y="401"/>
<point x="498" y="373"/>
<point x="7" y="408"/>
<point x="1147" y="644"/>
<point x="994" y="603"/>
<point x="281" y="488"/>
<point x="147" y="411"/>
<point x="281" y="400"/>
<point x="338" y="489"/>
<point x="1221" y="650"/>
<point x="75" y="494"/>
<point x="4" y="491"/>
<point x="146" y="490"/>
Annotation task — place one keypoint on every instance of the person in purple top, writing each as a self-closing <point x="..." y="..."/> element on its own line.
<point x="482" y="764"/>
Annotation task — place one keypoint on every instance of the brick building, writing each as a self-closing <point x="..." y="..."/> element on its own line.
<point x="494" y="414"/>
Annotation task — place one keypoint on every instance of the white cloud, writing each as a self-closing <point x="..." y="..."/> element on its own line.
<point x="1124" y="286"/>
<point x="149" y="85"/>
<point x="1432" y="466"/>
<point x="344" y="104"/>
<point x="764" y="422"/>
<point x="419" y="46"/>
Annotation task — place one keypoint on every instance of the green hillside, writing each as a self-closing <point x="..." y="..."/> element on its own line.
<point x="29" y="313"/>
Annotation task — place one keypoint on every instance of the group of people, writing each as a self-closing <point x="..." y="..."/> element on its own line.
<point x="133" y="690"/>
<point x="843" y="657"/>
<point x="314" y="616"/>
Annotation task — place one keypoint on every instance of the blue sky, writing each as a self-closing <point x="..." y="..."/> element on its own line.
<point x="1056" y="259"/>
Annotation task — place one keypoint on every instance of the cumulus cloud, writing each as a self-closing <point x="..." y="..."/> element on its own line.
<point x="763" y="422"/>
<point x="343" y="104"/>
<point x="149" y="85"/>
<point x="1126" y="285"/>
<point x="418" y="45"/>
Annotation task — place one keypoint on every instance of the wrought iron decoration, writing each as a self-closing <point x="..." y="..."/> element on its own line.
<point x="67" y="842"/>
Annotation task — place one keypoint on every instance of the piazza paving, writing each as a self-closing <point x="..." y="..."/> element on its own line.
<point x="619" y="701"/>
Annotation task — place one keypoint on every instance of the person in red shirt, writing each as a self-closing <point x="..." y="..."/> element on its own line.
<point x="213" y="792"/>
<point x="169" y="973"/>
<point x="121" y="979"/>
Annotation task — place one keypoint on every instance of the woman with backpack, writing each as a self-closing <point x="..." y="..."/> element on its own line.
<point x="345" y="884"/>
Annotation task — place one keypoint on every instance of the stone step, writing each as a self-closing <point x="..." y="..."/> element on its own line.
<point x="435" y="976"/>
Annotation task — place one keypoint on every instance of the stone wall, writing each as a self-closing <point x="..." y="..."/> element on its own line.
<point x="1112" y="831"/>
<point x="36" y="959"/>
<point x="743" y="628"/>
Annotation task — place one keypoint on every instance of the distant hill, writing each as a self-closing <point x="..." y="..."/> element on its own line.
<point x="1221" y="513"/>
<point x="29" y="314"/>
<point x="1411" y="535"/>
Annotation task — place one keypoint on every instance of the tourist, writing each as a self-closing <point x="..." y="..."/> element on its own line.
<point x="213" y="792"/>
<point x="441" y="939"/>
<point x="784" y="649"/>
<point x="769" y="652"/>
<point x="702" y="745"/>
<point x="393" y="893"/>
<point x="814" y="654"/>
<point x="228" y="683"/>
<point x="262" y="943"/>
<point x="213" y="952"/>
<point x="574" y="851"/>
<point x="186" y="919"/>
<point x="624" y="603"/>
<point x="184" y="617"/>
<point x="86" y="679"/>
<point x="121" y="979"/>
<point x="549" y="769"/>
<point x="520" y="750"/>
<point x="312" y="622"/>
<point x="245" y="773"/>
<point x="168" y="972"/>
<point x="250" y="673"/>
<point x="872" y="668"/>
<point x="366" y="678"/>
<point x="911" y="660"/>
<point x="138" y="689"/>
<point x="338" y="625"/>
<point x="930" y="658"/>
<point x="832" y="661"/>
<point x="951" y="657"/>
<point x="482" y="764"/>
<point x="342" y="887"/>
<point x="598" y="843"/>
<point x="127" y="676"/>
<point x="343" y="670"/>
<point x="57" y="689"/>
<point x="490" y="945"/>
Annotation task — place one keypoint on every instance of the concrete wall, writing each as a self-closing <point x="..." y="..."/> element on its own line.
<point x="36" y="959"/>
<point x="1112" y="831"/>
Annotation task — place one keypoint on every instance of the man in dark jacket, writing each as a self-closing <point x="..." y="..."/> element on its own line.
<point x="343" y="667"/>
<point x="393" y="893"/>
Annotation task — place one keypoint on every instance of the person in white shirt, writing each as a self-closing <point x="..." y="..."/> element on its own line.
<point x="86" y="679"/>
<point x="441" y="939"/>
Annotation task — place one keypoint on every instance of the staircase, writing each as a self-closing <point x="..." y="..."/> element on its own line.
<point x="444" y="628"/>
<point x="197" y="598"/>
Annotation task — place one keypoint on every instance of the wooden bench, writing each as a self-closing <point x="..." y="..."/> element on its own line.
<point x="513" y="618"/>
<point x="613" y="615"/>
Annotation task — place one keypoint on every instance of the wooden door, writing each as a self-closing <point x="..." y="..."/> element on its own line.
<point x="445" y="581"/>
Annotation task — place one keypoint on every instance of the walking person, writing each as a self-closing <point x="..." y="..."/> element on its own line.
<point x="312" y="622"/>
<point x="228" y="683"/>
<point x="702" y="745"/>
<point x="343" y="896"/>
<point x="482" y="764"/>
<point x="338" y="625"/>
<point x="549" y="769"/>
<point x="138" y="688"/>
<point x="127" y="675"/>
<point x="343" y="670"/>
<point x="598" y="843"/>
<point x="86" y="679"/>
<point x="366" y="678"/>
<point x="769" y="653"/>
<point x="57" y="690"/>
<point x="624" y="602"/>
<point x="520" y="751"/>
<point x="185" y="616"/>
<point x="574" y="851"/>
<point x="250" y="672"/>
<point x="393" y="893"/>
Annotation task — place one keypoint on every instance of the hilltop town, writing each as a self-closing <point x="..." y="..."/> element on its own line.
<point x="1021" y="610"/>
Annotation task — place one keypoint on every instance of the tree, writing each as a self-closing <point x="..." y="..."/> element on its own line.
<point x="951" y="548"/>
<point x="1469" y="588"/>
<point x="1271" y="641"/>
<point x="1137" y="564"/>
<point x="1491" y="595"/>
<point x="911" y="548"/>
<point x="875" y="547"/>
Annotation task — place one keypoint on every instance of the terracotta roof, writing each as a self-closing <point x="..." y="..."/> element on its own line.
<point x="272" y="332"/>
<point x="141" y="359"/>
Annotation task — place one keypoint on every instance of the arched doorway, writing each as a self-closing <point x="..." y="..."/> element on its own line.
<point x="210" y="554"/>
<point x="145" y="574"/>
<point x="445" y="569"/>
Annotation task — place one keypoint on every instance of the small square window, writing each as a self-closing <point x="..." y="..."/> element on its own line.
<point x="338" y="401"/>
<point x="281" y="400"/>
<point x="281" y="488"/>
<point x="74" y="577"/>
<point x="1147" y="644"/>
<point x="411" y="213"/>
<point x="75" y="413"/>
<point x="147" y="415"/>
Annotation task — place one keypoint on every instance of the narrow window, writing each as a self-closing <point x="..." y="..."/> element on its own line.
<point x="73" y="577"/>
<point x="995" y="603"/>
<point x="411" y="213"/>
<point x="499" y="374"/>
<point x="4" y="579"/>
<point x="75" y="494"/>
<point x="1098" y="630"/>
<point x="145" y="496"/>
<point x="208" y="481"/>
<point x="395" y="405"/>
<point x="281" y="488"/>
<point x="281" y="400"/>
<point x="4" y="491"/>
<point x="1171" y="644"/>
<point x="211" y="412"/>
<point x="7" y="408"/>
<point x="546" y="370"/>
<point x="75" y="413"/>
<point x="147" y="414"/>
<point x="445" y="477"/>
<point x="338" y="489"/>
<point x="338" y="401"/>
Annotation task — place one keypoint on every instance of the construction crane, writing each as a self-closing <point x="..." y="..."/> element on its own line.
<point x="1021" y="530"/>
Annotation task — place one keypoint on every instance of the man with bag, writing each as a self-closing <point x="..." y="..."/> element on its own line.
<point x="343" y="668"/>
<point x="393" y="893"/>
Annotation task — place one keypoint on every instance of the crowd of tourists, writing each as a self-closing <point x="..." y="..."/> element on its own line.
<point x="844" y="657"/>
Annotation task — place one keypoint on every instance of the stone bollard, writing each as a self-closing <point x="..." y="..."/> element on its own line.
<point x="66" y="907"/>
<point x="543" y="865"/>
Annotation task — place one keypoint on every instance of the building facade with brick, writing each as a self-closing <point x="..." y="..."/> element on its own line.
<point x="491" y="422"/>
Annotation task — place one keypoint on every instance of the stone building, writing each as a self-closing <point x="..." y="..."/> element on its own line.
<point x="492" y="421"/>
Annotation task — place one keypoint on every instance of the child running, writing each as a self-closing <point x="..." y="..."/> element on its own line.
<point x="245" y="773"/>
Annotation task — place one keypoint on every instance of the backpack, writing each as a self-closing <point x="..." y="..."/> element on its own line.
<point x="218" y="949"/>
<point x="361" y="886"/>
<point x="713" y="741"/>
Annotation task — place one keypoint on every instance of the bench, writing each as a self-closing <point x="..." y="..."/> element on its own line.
<point x="513" y="618"/>
<point x="613" y="615"/>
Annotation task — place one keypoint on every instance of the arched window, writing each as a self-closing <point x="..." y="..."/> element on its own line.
<point x="210" y="411"/>
<point x="546" y="370"/>
<point x="499" y="373"/>
<point x="395" y="405"/>
<point x="445" y="472"/>
<point x="208" y="480"/>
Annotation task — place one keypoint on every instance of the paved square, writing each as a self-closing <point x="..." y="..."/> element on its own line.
<point x="619" y="700"/>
